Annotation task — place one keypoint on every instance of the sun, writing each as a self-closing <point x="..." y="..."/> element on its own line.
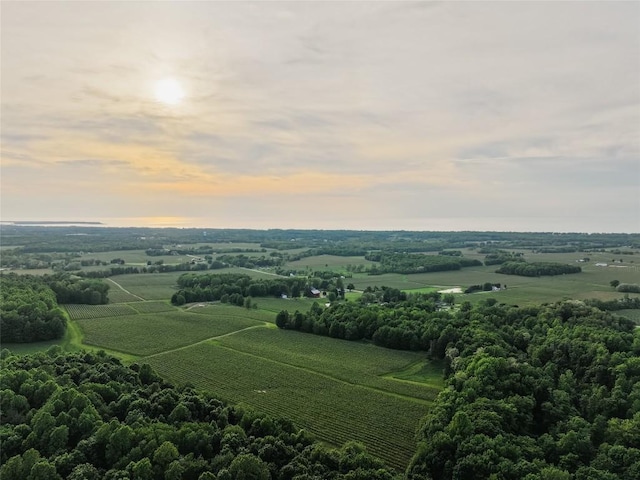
<point x="169" y="91"/>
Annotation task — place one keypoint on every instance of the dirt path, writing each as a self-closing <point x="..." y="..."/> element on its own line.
<point x="260" y="271"/>
<point x="266" y="324"/>
<point x="124" y="289"/>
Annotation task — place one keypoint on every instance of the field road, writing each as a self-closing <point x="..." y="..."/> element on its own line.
<point x="268" y="325"/>
<point x="260" y="271"/>
<point x="124" y="289"/>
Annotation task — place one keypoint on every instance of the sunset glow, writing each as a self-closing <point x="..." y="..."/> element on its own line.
<point x="169" y="91"/>
<point x="336" y="114"/>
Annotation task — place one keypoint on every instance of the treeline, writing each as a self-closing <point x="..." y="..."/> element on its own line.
<point x="485" y="287"/>
<point x="73" y="289"/>
<point x="245" y="261"/>
<point x="537" y="393"/>
<point x="613" y="305"/>
<point x="499" y="257"/>
<point x="214" y="287"/>
<point x="416" y="263"/>
<point x="98" y="239"/>
<point x="29" y="310"/>
<point x="200" y="250"/>
<point x="156" y="268"/>
<point x="628" y="288"/>
<point x="537" y="269"/>
<point x="401" y="321"/>
<point x="85" y="416"/>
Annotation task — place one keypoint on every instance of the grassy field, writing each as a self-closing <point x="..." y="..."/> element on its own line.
<point x="146" y="334"/>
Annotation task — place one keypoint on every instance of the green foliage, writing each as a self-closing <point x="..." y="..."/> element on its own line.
<point x="416" y="263"/>
<point x="628" y="288"/>
<point x="29" y="310"/>
<point x="536" y="269"/>
<point x="546" y="398"/>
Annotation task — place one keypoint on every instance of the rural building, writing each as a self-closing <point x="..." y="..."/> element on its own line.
<point x="314" y="292"/>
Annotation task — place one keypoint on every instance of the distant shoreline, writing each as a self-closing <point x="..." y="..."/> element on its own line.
<point x="33" y="222"/>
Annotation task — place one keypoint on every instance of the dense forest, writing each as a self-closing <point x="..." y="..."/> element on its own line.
<point x="537" y="393"/>
<point x="86" y="416"/>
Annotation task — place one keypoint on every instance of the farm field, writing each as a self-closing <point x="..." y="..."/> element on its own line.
<point x="149" y="286"/>
<point x="330" y="262"/>
<point x="221" y="309"/>
<point x="84" y="312"/>
<point x="353" y="362"/>
<point x="349" y="389"/>
<point x="146" y="334"/>
<point x="152" y="306"/>
<point x="135" y="257"/>
<point x="334" y="410"/>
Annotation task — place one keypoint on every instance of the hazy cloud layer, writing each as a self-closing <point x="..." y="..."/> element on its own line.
<point x="372" y="115"/>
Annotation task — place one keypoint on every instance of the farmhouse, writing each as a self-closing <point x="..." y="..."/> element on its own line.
<point x="314" y="292"/>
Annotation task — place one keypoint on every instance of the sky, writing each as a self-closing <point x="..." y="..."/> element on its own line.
<point x="518" y="116"/>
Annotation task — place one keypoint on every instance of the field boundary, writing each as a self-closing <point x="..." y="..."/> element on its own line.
<point x="125" y="290"/>
<point x="329" y="377"/>
<point x="184" y="347"/>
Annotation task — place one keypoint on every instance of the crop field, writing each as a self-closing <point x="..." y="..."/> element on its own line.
<point x="152" y="307"/>
<point x="222" y="310"/>
<point x="330" y="262"/>
<point x="333" y="410"/>
<point x="87" y="312"/>
<point x="150" y="286"/>
<point x="353" y="362"/>
<point x="117" y="295"/>
<point x="146" y="334"/>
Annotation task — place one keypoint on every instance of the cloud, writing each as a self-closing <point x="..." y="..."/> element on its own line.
<point x="408" y="108"/>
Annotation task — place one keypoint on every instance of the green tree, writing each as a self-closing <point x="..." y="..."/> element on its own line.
<point x="614" y="283"/>
<point x="249" y="467"/>
<point x="142" y="470"/>
<point x="165" y="454"/>
<point x="282" y="319"/>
